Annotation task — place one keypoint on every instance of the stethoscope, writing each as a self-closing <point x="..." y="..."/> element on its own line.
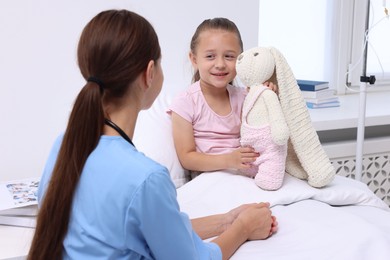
<point x="119" y="130"/>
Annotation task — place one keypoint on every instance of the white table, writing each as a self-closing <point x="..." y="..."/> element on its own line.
<point x="346" y="116"/>
<point x="15" y="242"/>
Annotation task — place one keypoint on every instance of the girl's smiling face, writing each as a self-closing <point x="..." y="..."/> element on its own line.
<point x="215" y="57"/>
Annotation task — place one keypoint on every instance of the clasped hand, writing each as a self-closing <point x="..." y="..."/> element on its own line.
<point x="256" y="218"/>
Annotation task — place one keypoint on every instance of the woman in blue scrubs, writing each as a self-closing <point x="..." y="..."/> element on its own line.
<point x="100" y="198"/>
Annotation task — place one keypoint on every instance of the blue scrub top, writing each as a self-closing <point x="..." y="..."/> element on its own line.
<point x="125" y="207"/>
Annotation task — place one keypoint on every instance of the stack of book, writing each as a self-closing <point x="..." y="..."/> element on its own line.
<point x="19" y="203"/>
<point x="317" y="94"/>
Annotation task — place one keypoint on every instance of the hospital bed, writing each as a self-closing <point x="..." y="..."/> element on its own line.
<point x="345" y="220"/>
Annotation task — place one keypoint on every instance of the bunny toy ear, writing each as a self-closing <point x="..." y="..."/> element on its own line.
<point x="303" y="136"/>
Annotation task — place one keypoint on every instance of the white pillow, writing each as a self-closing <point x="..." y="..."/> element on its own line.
<point x="153" y="137"/>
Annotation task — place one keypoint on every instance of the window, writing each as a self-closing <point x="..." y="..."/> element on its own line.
<point x="323" y="39"/>
<point x="378" y="39"/>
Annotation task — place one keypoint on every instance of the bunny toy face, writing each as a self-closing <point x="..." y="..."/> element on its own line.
<point x="255" y="66"/>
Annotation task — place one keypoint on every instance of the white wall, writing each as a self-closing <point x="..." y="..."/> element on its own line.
<point x="302" y="31"/>
<point x="39" y="77"/>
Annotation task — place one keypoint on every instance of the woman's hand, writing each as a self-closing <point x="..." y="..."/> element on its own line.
<point x="252" y="222"/>
<point x="274" y="227"/>
<point x="258" y="221"/>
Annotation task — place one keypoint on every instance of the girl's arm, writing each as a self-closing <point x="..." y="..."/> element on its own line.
<point x="183" y="137"/>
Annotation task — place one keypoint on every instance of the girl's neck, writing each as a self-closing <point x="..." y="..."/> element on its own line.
<point x="208" y="90"/>
<point x="217" y="99"/>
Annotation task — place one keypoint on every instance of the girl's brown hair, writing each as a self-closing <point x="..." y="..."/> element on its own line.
<point x="114" y="48"/>
<point x="218" y="23"/>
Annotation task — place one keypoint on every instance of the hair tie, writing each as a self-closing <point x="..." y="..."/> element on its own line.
<point x="98" y="82"/>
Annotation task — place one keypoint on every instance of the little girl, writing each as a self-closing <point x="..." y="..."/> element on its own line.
<point x="206" y="118"/>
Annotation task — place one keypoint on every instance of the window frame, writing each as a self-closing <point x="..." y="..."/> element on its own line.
<point x="348" y="23"/>
<point x="357" y="59"/>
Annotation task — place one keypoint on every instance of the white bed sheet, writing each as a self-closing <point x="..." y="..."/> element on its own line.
<point x="344" y="220"/>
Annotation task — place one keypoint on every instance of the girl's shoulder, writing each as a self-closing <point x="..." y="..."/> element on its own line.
<point x="193" y="89"/>
<point x="237" y="92"/>
<point x="189" y="95"/>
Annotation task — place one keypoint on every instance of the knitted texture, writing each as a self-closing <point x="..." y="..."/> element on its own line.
<point x="269" y="168"/>
<point x="255" y="66"/>
<point x="306" y="158"/>
<point x="304" y="139"/>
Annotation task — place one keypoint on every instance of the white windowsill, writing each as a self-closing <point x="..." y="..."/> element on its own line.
<point x="346" y="116"/>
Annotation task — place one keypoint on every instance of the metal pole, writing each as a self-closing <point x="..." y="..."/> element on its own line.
<point x="362" y="106"/>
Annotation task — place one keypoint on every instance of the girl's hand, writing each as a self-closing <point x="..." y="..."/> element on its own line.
<point x="242" y="157"/>
<point x="272" y="86"/>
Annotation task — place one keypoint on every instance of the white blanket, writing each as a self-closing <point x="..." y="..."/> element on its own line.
<point x="344" y="220"/>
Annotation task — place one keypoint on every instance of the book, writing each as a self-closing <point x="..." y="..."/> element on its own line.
<point x="18" y="193"/>
<point x="319" y="94"/>
<point x="321" y="100"/>
<point x="323" y="105"/>
<point x="19" y="202"/>
<point x="312" y="85"/>
<point x="29" y="211"/>
<point x="19" y="221"/>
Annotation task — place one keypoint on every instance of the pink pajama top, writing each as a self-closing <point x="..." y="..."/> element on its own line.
<point x="214" y="134"/>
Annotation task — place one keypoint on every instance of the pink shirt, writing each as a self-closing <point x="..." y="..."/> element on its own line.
<point x="214" y="134"/>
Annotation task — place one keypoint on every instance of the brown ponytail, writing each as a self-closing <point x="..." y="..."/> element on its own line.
<point x="115" y="47"/>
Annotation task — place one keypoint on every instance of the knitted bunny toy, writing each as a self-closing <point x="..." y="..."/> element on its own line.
<point x="263" y="125"/>
<point x="288" y="119"/>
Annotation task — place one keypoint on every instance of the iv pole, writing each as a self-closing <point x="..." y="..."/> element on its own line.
<point x="364" y="80"/>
